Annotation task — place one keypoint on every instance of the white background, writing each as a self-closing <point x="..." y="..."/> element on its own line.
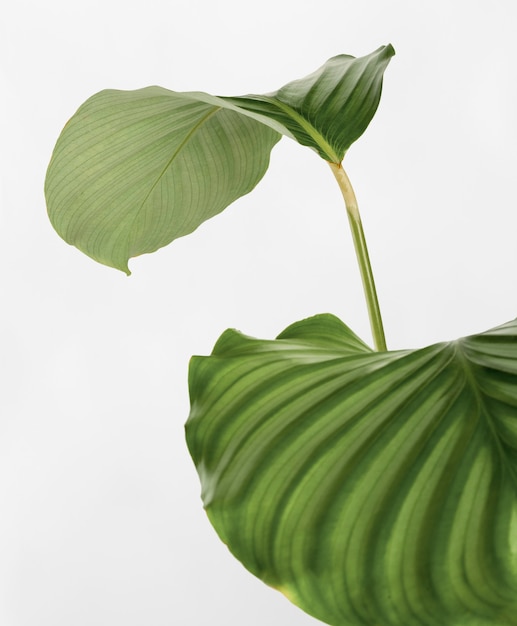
<point x="100" y="517"/>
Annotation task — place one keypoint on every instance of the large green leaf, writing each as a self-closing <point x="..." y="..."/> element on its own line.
<point x="134" y="170"/>
<point x="371" y="488"/>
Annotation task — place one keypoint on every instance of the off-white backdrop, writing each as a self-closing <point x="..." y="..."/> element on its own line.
<point x="100" y="517"/>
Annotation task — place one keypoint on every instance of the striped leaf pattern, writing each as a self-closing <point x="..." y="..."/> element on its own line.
<point x="332" y="107"/>
<point x="134" y="170"/>
<point x="375" y="489"/>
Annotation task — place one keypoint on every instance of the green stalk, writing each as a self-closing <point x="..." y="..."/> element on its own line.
<point x="363" y="259"/>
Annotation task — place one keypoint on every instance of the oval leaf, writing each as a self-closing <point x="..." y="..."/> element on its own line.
<point x="133" y="170"/>
<point x="371" y="488"/>
<point x="332" y="107"/>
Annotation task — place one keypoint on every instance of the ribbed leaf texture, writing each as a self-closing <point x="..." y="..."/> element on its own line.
<point x="373" y="489"/>
<point x="134" y="170"/>
<point x="332" y="107"/>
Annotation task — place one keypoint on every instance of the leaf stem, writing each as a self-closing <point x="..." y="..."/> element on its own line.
<point x="363" y="259"/>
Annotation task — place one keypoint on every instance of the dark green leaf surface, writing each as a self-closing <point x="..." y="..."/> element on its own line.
<point x="332" y="107"/>
<point x="134" y="170"/>
<point x="371" y="488"/>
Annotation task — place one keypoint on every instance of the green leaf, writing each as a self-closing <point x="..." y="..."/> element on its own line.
<point x="332" y="107"/>
<point x="372" y="488"/>
<point x="133" y="170"/>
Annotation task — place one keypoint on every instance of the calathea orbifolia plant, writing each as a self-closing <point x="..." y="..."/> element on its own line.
<point x="371" y="487"/>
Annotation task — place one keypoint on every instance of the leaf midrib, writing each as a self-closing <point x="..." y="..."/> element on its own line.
<point x="468" y="369"/>
<point x="187" y="138"/>
<point x="313" y="133"/>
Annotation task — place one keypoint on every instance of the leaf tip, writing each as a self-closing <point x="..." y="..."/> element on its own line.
<point x="390" y="50"/>
<point x="118" y="264"/>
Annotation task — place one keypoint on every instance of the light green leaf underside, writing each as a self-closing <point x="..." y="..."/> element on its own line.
<point x="371" y="488"/>
<point x="134" y="170"/>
